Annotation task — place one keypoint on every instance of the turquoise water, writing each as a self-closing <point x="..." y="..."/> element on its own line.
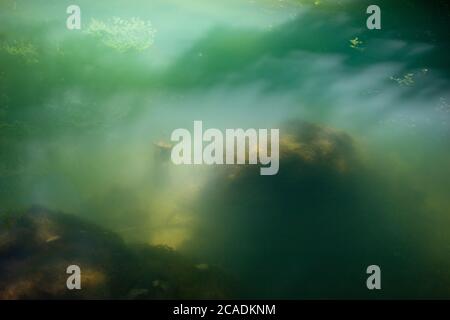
<point x="364" y="118"/>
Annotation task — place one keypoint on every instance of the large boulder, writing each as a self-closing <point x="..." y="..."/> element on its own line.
<point x="37" y="246"/>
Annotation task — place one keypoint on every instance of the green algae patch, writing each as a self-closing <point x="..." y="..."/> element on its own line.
<point x="123" y="34"/>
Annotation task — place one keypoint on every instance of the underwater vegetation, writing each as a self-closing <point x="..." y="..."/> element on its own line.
<point x="22" y="49"/>
<point x="37" y="245"/>
<point x="86" y="116"/>
<point x="409" y="79"/>
<point x="123" y="34"/>
<point x="355" y="43"/>
<point x="406" y="80"/>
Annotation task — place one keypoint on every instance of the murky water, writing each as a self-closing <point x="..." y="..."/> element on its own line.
<point x="364" y="118"/>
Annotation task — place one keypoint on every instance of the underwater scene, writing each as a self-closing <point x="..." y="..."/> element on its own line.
<point x="92" y="91"/>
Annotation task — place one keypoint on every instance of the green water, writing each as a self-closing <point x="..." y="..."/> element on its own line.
<point x="82" y="114"/>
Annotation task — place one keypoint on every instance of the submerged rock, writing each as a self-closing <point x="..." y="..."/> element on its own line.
<point x="311" y="230"/>
<point x="37" y="246"/>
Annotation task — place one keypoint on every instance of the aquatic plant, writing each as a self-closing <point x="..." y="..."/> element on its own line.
<point x="122" y="34"/>
<point x="406" y="80"/>
<point x="25" y="50"/>
<point x="409" y="79"/>
<point x="355" y="43"/>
